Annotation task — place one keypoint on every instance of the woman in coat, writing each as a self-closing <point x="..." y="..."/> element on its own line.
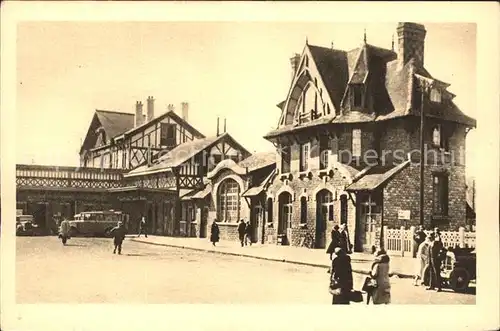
<point x="380" y="272"/>
<point x="341" y="277"/>
<point x="214" y="233"/>
<point x="422" y="261"/>
<point x="64" y="231"/>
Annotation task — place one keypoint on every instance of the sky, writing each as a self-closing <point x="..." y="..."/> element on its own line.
<point x="238" y="71"/>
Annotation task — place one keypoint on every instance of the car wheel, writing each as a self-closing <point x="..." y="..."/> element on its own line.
<point x="459" y="280"/>
<point x="73" y="232"/>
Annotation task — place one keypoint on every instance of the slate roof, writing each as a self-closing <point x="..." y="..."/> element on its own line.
<point x="115" y="123"/>
<point x="394" y="100"/>
<point x="258" y="161"/>
<point x="375" y="177"/>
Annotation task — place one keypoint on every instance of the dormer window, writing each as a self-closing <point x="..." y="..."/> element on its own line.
<point x="356" y="94"/>
<point x="436" y="95"/>
<point x="436" y="136"/>
<point x="440" y="137"/>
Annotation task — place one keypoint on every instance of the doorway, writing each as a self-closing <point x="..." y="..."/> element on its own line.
<point x="39" y="212"/>
<point x="324" y="213"/>
<point x="285" y="213"/>
<point x="258" y="221"/>
<point x="370" y="218"/>
<point x="203" y="222"/>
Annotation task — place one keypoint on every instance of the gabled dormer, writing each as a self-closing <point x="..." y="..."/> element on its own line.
<point x="309" y="97"/>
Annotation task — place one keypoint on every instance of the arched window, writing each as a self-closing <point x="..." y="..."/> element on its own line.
<point x="303" y="210"/>
<point x="228" y="201"/>
<point x="325" y="201"/>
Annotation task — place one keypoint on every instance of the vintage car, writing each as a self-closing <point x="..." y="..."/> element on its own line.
<point x="457" y="270"/>
<point x="96" y="223"/>
<point x="25" y="226"/>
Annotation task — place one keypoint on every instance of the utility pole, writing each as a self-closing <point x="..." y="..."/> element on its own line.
<point x="423" y="89"/>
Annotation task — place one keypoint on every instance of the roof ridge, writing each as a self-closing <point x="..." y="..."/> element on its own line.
<point x="113" y="111"/>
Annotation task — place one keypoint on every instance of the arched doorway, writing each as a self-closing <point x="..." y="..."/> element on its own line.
<point x="285" y="213"/>
<point x="324" y="213"/>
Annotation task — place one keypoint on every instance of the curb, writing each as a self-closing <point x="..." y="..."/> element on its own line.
<point x="316" y="265"/>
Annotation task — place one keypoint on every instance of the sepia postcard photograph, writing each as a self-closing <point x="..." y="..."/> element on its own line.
<point x="217" y="165"/>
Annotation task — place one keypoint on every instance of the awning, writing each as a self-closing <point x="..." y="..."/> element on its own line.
<point x="253" y="191"/>
<point x="256" y="190"/>
<point x="375" y="178"/>
<point x="203" y="193"/>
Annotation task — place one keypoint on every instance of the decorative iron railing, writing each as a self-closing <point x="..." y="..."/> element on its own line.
<point x="38" y="176"/>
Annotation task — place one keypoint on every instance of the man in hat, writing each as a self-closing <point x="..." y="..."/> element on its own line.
<point x="241" y="232"/>
<point x="118" y="233"/>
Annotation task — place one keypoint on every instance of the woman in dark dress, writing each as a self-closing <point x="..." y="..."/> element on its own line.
<point x="214" y="233"/>
<point x="341" y="277"/>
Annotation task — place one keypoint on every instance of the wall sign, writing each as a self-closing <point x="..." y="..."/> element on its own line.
<point x="404" y="215"/>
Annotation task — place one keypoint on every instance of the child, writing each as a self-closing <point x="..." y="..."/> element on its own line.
<point x="118" y="233"/>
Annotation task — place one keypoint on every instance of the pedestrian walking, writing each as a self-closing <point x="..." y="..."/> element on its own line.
<point x="380" y="273"/>
<point x="418" y="238"/>
<point x="241" y="232"/>
<point x="435" y="256"/>
<point x="422" y="261"/>
<point x="214" y="233"/>
<point x="248" y="234"/>
<point x="64" y="231"/>
<point x="335" y="237"/>
<point x="143" y="227"/>
<point x="341" y="282"/>
<point x="345" y="242"/>
<point x="118" y="234"/>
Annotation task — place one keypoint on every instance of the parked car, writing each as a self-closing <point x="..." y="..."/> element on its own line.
<point x="457" y="270"/>
<point x="96" y="223"/>
<point x="25" y="226"/>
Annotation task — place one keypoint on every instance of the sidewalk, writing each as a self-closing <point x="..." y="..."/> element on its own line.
<point x="361" y="262"/>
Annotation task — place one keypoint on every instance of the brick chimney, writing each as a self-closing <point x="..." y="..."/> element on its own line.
<point x="411" y="40"/>
<point x="138" y="118"/>
<point x="185" y="111"/>
<point x="295" y="61"/>
<point x="151" y="109"/>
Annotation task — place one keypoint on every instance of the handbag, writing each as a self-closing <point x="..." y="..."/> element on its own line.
<point x="334" y="288"/>
<point x="369" y="285"/>
<point x="356" y="296"/>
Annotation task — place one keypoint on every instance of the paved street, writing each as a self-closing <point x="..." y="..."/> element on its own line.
<point x="86" y="271"/>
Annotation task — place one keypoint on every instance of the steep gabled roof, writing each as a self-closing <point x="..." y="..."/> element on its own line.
<point x="115" y="123"/>
<point x="173" y="116"/>
<point x="181" y="154"/>
<point x="333" y="68"/>
<point x="394" y="100"/>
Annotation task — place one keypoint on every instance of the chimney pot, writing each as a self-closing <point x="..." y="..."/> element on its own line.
<point x="138" y="118"/>
<point x="217" y="126"/>
<point x="170" y="107"/>
<point x="411" y="41"/>
<point x="151" y="109"/>
<point x="185" y="111"/>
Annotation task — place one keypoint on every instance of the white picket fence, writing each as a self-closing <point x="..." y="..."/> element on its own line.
<point x="400" y="241"/>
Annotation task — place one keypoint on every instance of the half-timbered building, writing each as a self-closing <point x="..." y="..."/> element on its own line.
<point x="349" y="142"/>
<point x="140" y="164"/>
